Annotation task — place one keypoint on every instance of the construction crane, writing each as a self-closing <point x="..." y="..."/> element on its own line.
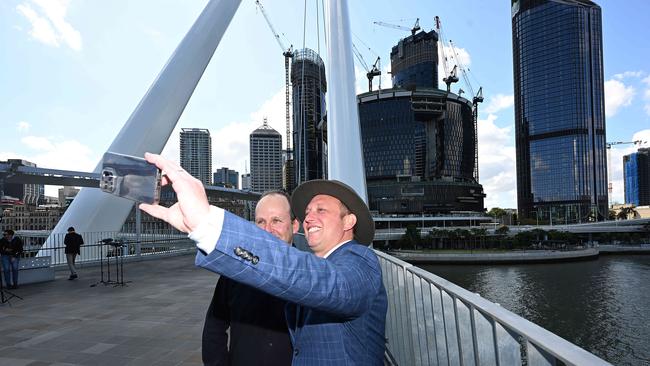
<point x="476" y="99"/>
<point x="371" y="72"/>
<point x="288" y="56"/>
<point x="416" y="26"/>
<point x="450" y="77"/>
<point x="609" y="145"/>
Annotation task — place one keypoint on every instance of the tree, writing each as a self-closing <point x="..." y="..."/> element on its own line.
<point x="502" y="230"/>
<point x="497" y="213"/>
<point x="626" y="211"/>
<point x="411" y="238"/>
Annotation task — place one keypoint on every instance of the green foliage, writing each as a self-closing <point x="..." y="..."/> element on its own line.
<point x="497" y="212"/>
<point x="411" y="238"/>
<point x="502" y="230"/>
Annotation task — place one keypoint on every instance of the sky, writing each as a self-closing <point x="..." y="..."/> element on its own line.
<point x="74" y="71"/>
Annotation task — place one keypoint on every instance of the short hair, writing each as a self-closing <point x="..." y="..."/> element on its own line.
<point x="70" y="228"/>
<point x="10" y="232"/>
<point x="279" y="192"/>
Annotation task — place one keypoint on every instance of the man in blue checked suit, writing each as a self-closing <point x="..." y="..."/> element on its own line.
<point x="339" y="302"/>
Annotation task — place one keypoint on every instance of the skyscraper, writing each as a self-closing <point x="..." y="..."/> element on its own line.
<point x="226" y="178"/>
<point x="196" y="153"/>
<point x="309" y="126"/>
<point x="636" y="174"/>
<point x="266" y="158"/>
<point x="418" y="140"/>
<point x="559" y="110"/>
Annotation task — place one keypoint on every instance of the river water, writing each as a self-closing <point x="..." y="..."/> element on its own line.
<point x="601" y="305"/>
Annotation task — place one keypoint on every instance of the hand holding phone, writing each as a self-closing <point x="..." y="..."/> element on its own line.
<point x="130" y="177"/>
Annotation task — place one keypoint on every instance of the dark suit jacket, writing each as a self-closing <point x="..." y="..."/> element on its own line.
<point x="258" y="329"/>
<point x="13" y="247"/>
<point x="73" y="242"/>
<point x="341" y="315"/>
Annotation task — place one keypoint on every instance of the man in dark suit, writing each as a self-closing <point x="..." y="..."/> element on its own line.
<point x="258" y="327"/>
<point x="11" y="247"/>
<point x="73" y="243"/>
<point x="340" y="312"/>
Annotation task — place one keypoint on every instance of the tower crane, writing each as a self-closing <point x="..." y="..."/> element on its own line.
<point x="370" y="72"/>
<point x="609" y="145"/>
<point x="416" y="26"/>
<point x="450" y="77"/>
<point x="288" y="56"/>
<point x="476" y="99"/>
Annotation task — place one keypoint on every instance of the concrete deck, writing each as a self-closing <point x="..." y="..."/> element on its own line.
<point x="156" y="320"/>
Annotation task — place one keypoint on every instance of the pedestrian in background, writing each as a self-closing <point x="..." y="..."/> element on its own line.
<point x="73" y="242"/>
<point x="11" y="247"/>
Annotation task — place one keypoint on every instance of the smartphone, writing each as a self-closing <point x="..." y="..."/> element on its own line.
<point x="130" y="177"/>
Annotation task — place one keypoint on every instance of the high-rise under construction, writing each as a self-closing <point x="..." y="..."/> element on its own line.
<point x="309" y="123"/>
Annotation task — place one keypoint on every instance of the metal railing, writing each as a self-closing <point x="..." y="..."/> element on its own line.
<point x="129" y="245"/>
<point x="431" y="321"/>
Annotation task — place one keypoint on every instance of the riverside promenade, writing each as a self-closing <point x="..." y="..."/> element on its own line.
<point x="519" y="256"/>
<point x="157" y="319"/>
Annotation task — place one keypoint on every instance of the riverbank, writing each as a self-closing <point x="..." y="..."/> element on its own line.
<point x="519" y="256"/>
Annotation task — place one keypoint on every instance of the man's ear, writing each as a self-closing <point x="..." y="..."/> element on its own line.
<point x="295" y="225"/>
<point x="349" y="221"/>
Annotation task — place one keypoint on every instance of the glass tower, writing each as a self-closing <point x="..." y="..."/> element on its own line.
<point x="636" y="174"/>
<point x="418" y="141"/>
<point x="309" y="125"/>
<point x="559" y="110"/>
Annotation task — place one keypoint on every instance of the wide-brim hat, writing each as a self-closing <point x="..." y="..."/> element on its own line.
<point x="364" y="230"/>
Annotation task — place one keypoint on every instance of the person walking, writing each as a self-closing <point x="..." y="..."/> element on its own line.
<point x="73" y="242"/>
<point x="11" y="247"/>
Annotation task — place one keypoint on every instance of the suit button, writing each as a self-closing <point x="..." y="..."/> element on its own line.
<point x="296" y="352"/>
<point x="239" y="251"/>
<point x="255" y="259"/>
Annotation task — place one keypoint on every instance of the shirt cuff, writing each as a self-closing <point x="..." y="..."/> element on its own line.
<point x="207" y="233"/>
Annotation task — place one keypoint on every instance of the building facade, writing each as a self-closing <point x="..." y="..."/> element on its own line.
<point x="636" y="175"/>
<point x="246" y="182"/>
<point x="559" y="110"/>
<point x="309" y="125"/>
<point x="225" y="177"/>
<point x="196" y="153"/>
<point x="418" y="141"/>
<point x="266" y="158"/>
<point x="30" y="194"/>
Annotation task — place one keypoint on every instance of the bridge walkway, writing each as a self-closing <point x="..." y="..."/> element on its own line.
<point x="156" y="319"/>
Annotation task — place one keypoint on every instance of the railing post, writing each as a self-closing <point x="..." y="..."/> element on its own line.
<point x="138" y="231"/>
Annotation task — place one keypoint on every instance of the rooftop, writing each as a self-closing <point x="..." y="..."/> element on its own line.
<point x="157" y="319"/>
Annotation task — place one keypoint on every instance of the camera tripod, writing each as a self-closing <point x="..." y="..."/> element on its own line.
<point x="6" y="295"/>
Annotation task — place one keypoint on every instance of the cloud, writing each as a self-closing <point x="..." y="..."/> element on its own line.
<point x="497" y="163"/>
<point x="499" y="102"/>
<point x="230" y="143"/>
<point x="48" y="23"/>
<point x="646" y="95"/>
<point x="617" y="95"/>
<point x="629" y="74"/>
<point x="23" y="126"/>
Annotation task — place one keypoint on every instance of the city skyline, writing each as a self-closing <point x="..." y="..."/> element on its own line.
<point x="79" y="69"/>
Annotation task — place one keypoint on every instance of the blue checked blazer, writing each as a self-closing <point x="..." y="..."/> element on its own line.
<point x="338" y="314"/>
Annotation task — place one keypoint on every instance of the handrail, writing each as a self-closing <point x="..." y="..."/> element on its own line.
<point x="431" y="321"/>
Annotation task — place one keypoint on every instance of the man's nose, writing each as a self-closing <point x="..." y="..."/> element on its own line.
<point x="268" y="227"/>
